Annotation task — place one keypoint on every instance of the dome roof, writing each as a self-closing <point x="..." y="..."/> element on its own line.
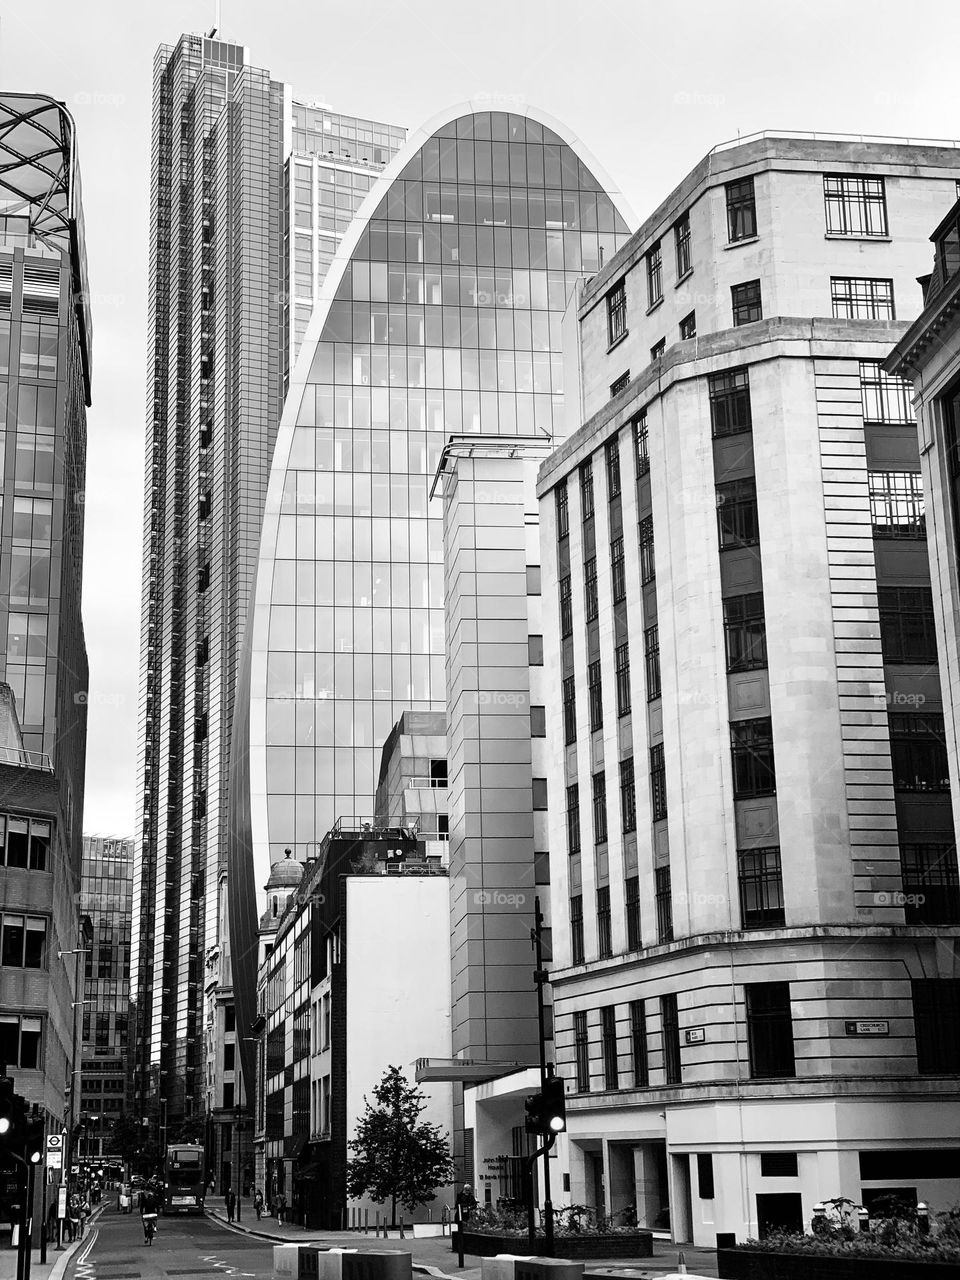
<point x="285" y="873"/>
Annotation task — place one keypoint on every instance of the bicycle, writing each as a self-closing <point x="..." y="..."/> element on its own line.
<point x="149" y="1227"/>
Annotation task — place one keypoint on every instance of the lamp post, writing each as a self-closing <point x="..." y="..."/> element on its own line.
<point x="85" y="929"/>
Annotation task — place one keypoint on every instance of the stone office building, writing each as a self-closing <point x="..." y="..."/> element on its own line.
<point x="753" y="860"/>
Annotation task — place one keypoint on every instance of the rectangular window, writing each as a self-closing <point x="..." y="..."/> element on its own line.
<point x="20" y="1041"/>
<point x="591" y="600"/>
<point x="581" y="1048"/>
<point x="586" y="491"/>
<point x="861" y="298"/>
<point x="769" y="1030"/>
<point x="907" y="631"/>
<point x="751" y="742"/>
<point x="730" y="403"/>
<point x="705" y="1188"/>
<point x="654" y="275"/>
<point x="632" y="890"/>
<point x="745" y="632"/>
<point x="23" y="942"/>
<point x="540" y="795"/>
<point x="936" y="1015"/>
<point x="25" y="842"/>
<point x="620" y="384"/>
<point x="688" y="326"/>
<point x="638" y="1044"/>
<point x="651" y="653"/>
<point x="611" y="453"/>
<point x="608" y="1031"/>
<point x="535" y="650"/>
<point x="855" y="206"/>
<point x="628" y="796"/>
<point x="918" y="752"/>
<point x="663" y="901"/>
<point x="617" y="313"/>
<point x="761" y="888"/>
<point x="595" y="696"/>
<point x="618" y="571"/>
<point x="599" y="789"/>
<point x="896" y="504"/>
<point x="885" y="397"/>
<point x="737" y="513"/>
<point x="569" y="710"/>
<point x="670" y="1032"/>
<point x="566" y="607"/>
<point x="658" y="348"/>
<point x="563" y="512"/>
<point x="747" y="305"/>
<point x="658" y="783"/>
<point x="641" y="445"/>
<point x="648" y="568"/>
<point x="681" y="240"/>
<point x="778" y="1164"/>
<point x="931" y="887"/>
<point x="741" y="210"/>
<point x="576" y="929"/>
<point x="573" y="818"/>
<point x="948" y="244"/>
<point x="604" y="938"/>
<point x="538" y="721"/>
<point x="622" y="664"/>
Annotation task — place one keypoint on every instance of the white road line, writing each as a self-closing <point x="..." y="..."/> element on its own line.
<point x="83" y="1257"/>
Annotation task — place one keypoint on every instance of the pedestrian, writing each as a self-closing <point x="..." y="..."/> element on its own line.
<point x="466" y="1203"/>
<point x="258" y="1203"/>
<point x="281" y="1206"/>
<point x="231" y="1201"/>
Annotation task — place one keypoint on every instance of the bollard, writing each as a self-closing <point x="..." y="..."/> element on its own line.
<point x="547" y="1269"/>
<point x="286" y="1261"/>
<point x="378" y="1264"/>
<point x="366" y="1221"/>
<point x="923" y="1218"/>
<point x="308" y="1266"/>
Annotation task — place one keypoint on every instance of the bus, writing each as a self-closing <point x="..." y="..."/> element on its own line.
<point x="183" y="1187"/>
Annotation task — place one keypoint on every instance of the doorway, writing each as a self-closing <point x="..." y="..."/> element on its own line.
<point x="780" y="1212"/>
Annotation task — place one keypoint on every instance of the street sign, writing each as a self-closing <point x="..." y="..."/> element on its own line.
<point x="54" y="1159"/>
<point x="54" y="1142"/>
<point x="866" y="1028"/>
<point x="62" y="1201"/>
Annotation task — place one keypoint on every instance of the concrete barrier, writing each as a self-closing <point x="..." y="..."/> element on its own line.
<point x="286" y="1261"/>
<point x="502" y="1267"/>
<point x="378" y="1264"/>
<point x="547" y="1269"/>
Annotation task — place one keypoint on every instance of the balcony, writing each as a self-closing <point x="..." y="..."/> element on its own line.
<point x="25" y="759"/>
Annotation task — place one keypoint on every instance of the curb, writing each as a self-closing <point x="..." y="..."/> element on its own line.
<point x="88" y="1240"/>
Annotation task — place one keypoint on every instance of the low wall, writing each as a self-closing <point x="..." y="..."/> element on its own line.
<point x="636" y="1244"/>
<point x="749" y="1264"/>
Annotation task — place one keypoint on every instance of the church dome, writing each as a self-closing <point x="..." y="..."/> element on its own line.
<point x="285" y="873"/>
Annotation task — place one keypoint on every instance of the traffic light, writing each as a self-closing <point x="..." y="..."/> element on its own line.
<point x="546" y="1112"/>
<point x="13" y="1121"/>
<point x="35" y="1140"/>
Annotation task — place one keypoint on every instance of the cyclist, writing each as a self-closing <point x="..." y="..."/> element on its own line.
<point x="148" y="1214"/>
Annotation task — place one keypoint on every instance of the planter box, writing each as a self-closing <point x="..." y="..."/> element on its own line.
<point x="636" y="1244"/>
<point x="746" y="1264"/>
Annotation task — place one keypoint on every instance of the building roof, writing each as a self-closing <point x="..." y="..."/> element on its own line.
<point x="285" y="873"/>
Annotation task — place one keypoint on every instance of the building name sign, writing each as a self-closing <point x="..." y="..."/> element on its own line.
<point x="695" y="1035"/>
<point x="864" y="1028"/>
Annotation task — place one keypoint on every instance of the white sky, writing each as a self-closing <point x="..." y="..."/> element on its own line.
<point x="649" y="89"/>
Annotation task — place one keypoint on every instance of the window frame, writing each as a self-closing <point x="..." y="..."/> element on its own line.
<point x="628" y="795"/>
<point x="683" y="246"/>
<point x="744" y="644"/>
<point x="858" y="298"/>
<point x="752" y="752"/>
<point x="617" y="313"/>
<point x="621" y="658"/>
<point x="746" y="302"/>
<point x="767" y="1030"/>
<point x="741" y="205"/>
<point x="654" y="263"/>
<point x="764" y="884"/>
<point x="851" y="193"/>
<point x="610" y="1047"/>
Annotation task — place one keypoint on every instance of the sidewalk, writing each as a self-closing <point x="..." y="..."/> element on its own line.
<point x="56" y="1262"/>
<point x="433" y="1256"/>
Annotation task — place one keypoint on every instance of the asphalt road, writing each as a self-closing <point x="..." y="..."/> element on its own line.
<point x="182" y="1248"/>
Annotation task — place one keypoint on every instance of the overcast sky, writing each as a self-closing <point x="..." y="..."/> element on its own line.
<point x="649" y="88"/>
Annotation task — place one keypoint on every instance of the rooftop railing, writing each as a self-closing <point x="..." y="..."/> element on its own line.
<point x="24" y="759"/>
<point x="804" y="136"/>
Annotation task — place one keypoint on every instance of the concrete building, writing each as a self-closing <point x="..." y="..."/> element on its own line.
<point x="751" y="838"/>
<point x="106" y="899"/>
<point x="45" y="369"/>
<point x="412" y="784"/>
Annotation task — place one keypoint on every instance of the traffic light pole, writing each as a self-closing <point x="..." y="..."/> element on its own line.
<point x="540" y="977"/>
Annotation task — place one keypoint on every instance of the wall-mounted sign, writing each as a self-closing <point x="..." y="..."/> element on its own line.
<point x="865" y="1028"/>
<point x="695" y="1035"/>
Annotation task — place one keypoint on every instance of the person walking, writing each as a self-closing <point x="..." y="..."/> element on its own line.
<point x="466" y="1203"/>
<point x="281" y="1207"/>
<point x="258" y="1203"/>
<point x="231" y="1202"/>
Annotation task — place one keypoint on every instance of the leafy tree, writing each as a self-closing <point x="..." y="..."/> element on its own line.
<point x="128" y="1139"/>
<point x="396" y="1156"/>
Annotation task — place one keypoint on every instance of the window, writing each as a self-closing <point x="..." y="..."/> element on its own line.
<point x="622" y="665"/>
<point x="761" y="888"/>
<point x="599" y="790"/>
<point x="737" y="513"/>
<point x="730" y="402"/>
<point x="648" y="569"/>
<point x="907" y="632"/>
<point x="576" y="929"/>
<point x="24" y="842"/>
<point x="638" y="1044"/>
<point x="535" y="650"/>
<point x="632" y="891"/>
<point x="884" y="397"/>
<point x="741" y="210"/>
<point x="705" y="1187"/>
<point x="681" y="240"/>
<point x="641" y="445"/>
<point x="658" y="348"/>
<point x="617" y="313"/>
<point x="608" y="1032"/>
<point x="611" y="452"/>
<point x="651" y="653"/>
<point x="581" y="1047"/>
<point x="595" y="696"/>
<point x="540" y="795"/>
<point x="533" y="580"/>
<point x="769" y="1030"/>
<point x="654" y="275"/>
<point x="229" y="1018"/>
<point x="948" y="245"/>
<point x="752" y="745"/>
<point x="566" y="607"/>
<point x="918" y="751"/>
<point x="38" y="346"/>
<point x="20" y="1041"/>
<point x="670" y="1032"/>
<point x="628" y="796"/>
<point x="936" y="1015"/>
<point x="620" y="384"/>
<point x="745" y="632"/>
<point x="538" y="722"/>
<point x="931" y="886"/>
<point x="229" y="1050"/>
<point x="896" y="504"/>
<point x="658" y="783"/>
<point x="688" y="326"/>
<point x="618" y="571"/>
<point x="778" y="1164"/>
<point x="586" y="491"/>
<point x="590" y="600"/>
<point x="859" y="298"/>
<point x="563" y="512"/>
<point x="663" y="901"/>
<point x="855" y="206"/>
<point x="569" y="710"/>
<point x="747" y="306"/>
<point x="573" y="818"/>
<point x="604" y="940"/>
<point x="23" y="942"/>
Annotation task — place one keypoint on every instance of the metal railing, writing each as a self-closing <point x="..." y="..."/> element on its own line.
<point x="801" y="135"/>
<point x="429" y="784"/>
<point x="26" y="759"/>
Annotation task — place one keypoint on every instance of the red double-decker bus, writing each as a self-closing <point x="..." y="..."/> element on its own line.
<point x="183" y="1187"/>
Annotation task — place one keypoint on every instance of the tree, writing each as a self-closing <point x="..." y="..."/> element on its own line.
<point x="130" y="1141"/>
<point x="396" y="1157"/>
